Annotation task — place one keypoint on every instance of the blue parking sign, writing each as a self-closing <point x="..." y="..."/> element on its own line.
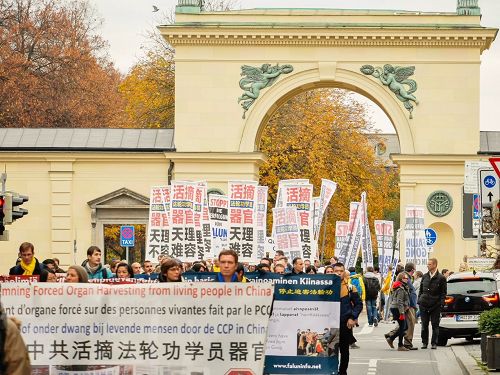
<point x="431" y="236"/>
<point x="127" y="236"/>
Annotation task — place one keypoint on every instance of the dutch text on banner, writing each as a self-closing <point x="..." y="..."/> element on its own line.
<point x="242" y="219"/>
<point x="300" y="197"/>
<point x="183" y="242"/>
<point x="304" y="327"/>
<point x="341" y="234"/>
<point x="219" y="209"/>
<point x="261" y="220"/>
<point x="384" y="230"/>
<point x="416" y="249"/>
<point x="286" y="232"/>
<point x="366" y="239"/>
<point x="158" y="223"/>
<point x="213" y="327"/>
<point x="328" y="188"/>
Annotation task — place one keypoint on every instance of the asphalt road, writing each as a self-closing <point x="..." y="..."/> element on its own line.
<point x="376" y="357"/>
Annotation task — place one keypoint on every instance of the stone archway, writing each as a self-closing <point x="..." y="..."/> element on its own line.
<point x="327" y="48"/>
<point x="326" y="75"/>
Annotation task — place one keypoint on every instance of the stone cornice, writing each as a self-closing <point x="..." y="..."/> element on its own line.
<point x="433" y="37"/>
<point x="431" y="159"/>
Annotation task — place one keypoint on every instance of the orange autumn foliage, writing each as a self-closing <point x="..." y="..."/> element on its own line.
<point x="323" y="134"/>
<point x="54" y="71"/>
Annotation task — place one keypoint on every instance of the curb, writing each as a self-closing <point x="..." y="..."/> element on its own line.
<point x="466" y="361"/>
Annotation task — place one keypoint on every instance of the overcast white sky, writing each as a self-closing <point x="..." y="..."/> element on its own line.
<point x="127" y="21"/>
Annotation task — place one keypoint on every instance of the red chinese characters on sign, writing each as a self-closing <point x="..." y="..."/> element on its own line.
<point x="242" y="219"/>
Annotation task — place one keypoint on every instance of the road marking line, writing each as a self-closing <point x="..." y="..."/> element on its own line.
<point x="372" y="366"/>
<point x="365" y="330"/>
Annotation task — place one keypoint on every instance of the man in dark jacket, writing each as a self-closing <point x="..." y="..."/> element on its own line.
<point x="431" y="299"/>
<point x="350" y="308"/>
<point x="28" y="265"/>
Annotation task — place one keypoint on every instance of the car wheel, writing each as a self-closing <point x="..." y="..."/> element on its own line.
<point x="442" y="340"/>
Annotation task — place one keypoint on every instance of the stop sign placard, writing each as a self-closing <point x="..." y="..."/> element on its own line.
<point x="240" y="371"/>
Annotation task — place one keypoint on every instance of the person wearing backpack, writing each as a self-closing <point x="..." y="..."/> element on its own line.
<point x="372" y="289"/>
<point x="93" y="265"/>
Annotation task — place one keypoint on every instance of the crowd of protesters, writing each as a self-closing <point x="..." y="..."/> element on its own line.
<point x="403" y="294"/>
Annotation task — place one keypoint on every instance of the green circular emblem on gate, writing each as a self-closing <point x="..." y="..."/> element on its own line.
<point x="439" y="203"/>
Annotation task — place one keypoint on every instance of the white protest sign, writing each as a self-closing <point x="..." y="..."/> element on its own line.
<point x="286" y="231"/>
<point x="243" y="219"/>
<point x="158" y="223"/>
<point x="341" y="233"/>
<point x="353" y="239"/>
<point x="261" y="224"/>
<point x="366" y="239"/>
<point x="384" y="231"/>
<point x="416" y="249"/>
<point x="218" y="207"/>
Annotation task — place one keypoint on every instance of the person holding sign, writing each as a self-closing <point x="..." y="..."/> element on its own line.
<point x="228" y="261"/>
<point x="350" y="308"/>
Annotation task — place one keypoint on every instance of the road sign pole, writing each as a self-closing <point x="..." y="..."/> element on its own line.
<point x="414" y="240"/>
<point x="480" y="229"/>
<point x="127" y="254"/>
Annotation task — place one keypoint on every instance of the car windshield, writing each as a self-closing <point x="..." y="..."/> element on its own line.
<point x="467" y="286"/>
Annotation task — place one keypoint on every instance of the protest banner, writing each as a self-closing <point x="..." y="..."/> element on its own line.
<point x="315" y="217"/>
<point x="366" y="239"/>
<point x="158" y="223"/>
<point x="328" y="188"/>
<point x="198" y="202"/>
<point x="300" y="197"/>
<point x="261" y="220"/>
<point x="19" y="278"/>
<point x="354" y="236"/>
<point x="242" y="219"/>
<point x="416" y="249"/>
<point x="286" y="232"/>
<point x="341" y="234"/>
<point x="282" y="183"/>
<point x="304" y="326"/>
<point x="205" y="223"/>
<point x="213" y="327"/>
<point x="218" y="207"/>
<point x="183" y="242"/>
<point x="384" y="230"/>
<point x="270" y="247"/>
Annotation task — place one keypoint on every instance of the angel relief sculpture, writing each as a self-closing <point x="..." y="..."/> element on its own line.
<point x="396" y="78"/>
<point x="257" y="79"/>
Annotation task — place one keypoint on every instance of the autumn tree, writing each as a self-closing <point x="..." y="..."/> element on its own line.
<point x="323" y="133"/>
<point x="149" y="87"/>
<point x="54" y="70"/>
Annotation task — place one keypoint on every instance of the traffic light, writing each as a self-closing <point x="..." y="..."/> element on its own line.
<point x="12" y="209"/>
<point x="2" y="214"/>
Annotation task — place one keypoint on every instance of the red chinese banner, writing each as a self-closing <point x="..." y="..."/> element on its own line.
<point x="242" y="219"/>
